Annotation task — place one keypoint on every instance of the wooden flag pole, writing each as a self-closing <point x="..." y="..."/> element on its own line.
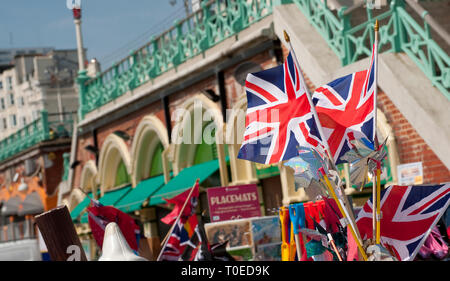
<point x="319" y="127"/>
<point x="344" y="214"/>
<point x="176" y="221"/>
<point x="377" y="179"/>
<point x="333" y="245"/>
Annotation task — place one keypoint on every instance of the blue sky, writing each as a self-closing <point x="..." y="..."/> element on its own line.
<point x="110" y="28"/>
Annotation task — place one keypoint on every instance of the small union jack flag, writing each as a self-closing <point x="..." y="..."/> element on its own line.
<point x="408" y="213"/>
<point x="346" y="109"/>
<point x="179" y="239"/>
<point x="279" y="117"/>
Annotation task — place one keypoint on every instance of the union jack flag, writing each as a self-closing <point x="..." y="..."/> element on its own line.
<point x="179" y="239"/>
<point x="279" y="117"/>
<point x="185" y="226"/>
<point x="346" y="109"/>
<point x="408" y="213"/>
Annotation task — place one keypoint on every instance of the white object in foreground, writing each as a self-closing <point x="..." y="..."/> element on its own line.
<point x="115" y="247"/>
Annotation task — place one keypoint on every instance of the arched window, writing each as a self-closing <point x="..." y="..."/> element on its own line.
<point x="122" y="176"/>
<point x="156" y="167"/>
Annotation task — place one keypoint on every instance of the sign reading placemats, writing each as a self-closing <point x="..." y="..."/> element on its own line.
<point x="409" y="174"/>
<point x="233" y="202"/>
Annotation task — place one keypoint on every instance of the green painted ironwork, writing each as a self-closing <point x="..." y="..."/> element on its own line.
<point x="214" y="22"/>
<point x="33" y="133"/>
<point x="399" y="32"/>
<point x="217" y="20"/>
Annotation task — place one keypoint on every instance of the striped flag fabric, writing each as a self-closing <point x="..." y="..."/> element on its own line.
<point x="408" y="214"/>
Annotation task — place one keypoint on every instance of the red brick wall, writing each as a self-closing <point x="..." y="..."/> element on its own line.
<point x="410" y="145"/>
<point x="53" y="174"/>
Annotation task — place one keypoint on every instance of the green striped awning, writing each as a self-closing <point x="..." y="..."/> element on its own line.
<point x="184" y="180"/>
<point x="133" y="200"/>
<point x="110" y="198"/>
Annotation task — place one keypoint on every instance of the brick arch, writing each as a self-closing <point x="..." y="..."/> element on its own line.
<point x="75" y="198"/>
<point x="88" y="178"/>
<point x="113" y="151"/>
<point x="183" y="154"/>
<point x="242" y="171"/>
<point x="149" y="133"/>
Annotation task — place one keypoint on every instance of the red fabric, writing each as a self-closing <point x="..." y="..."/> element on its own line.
<point x="309" y="215"/>
<point x="179" y="202"/>
<point x="76" y="13"/>
<point x="352" y="253"/>
<point x="107" y="214"/>
<point x="331" y="215"/>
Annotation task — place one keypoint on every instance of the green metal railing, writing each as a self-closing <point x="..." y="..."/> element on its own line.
<point x="214" y="22"/>
<point x="399" y="32"/>
<point x="33" y="133"/>
<point x="218" y="20"/>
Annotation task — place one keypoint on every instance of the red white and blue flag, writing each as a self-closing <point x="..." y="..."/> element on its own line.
<point x="179" y="239"/>
<point x="100" y="216"/>
<point x="346" y="109"/>
<point x="279" y="117"/>
<point x="179" y="201"/>
<point x="184" y="227"/>
<point x="408" y="213"/>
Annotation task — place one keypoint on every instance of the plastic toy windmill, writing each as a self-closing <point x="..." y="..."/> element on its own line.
<point x="306" y="166"/>
<point x="363" y="158"/>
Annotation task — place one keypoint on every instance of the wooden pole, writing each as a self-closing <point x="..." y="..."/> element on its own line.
<point x="59" y="235"/>
<point x="376" y="187"/>
<point x="334" y="246"/>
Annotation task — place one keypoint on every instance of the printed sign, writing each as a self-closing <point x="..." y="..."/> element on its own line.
<point x="233" y="202"/>
<point x="409" y="174"/>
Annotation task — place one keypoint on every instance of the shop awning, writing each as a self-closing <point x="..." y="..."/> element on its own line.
<point x="134" y="199"/>
<point x="80" y="207"/>
<point x="110" y="198"/>
<point x="11" y="207"/>
<point x="184" y="180"/>
<point x="32" y="204"/>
